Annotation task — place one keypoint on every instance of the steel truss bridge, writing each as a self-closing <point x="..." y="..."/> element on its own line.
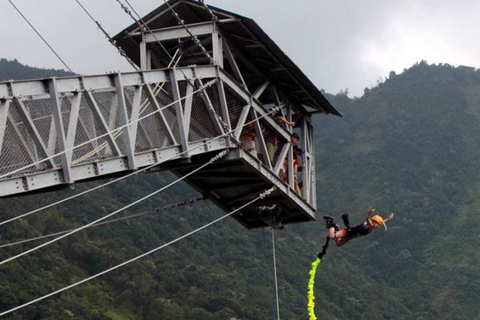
<point x="58" y="131"/>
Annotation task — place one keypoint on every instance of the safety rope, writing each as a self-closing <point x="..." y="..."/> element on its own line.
<point x="169" y="206"/>
<point x="43" y="39"/>
<point x="275" y="273"/>
<point x="217" y="157"/>
<point x="261" y="196"/>
<point x="270" y="286"/>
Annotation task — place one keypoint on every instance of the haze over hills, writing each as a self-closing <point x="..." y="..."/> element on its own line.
<point x="408" y="146"/>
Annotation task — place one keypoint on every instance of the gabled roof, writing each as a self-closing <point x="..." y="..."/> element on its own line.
<point x="246" y="37"/>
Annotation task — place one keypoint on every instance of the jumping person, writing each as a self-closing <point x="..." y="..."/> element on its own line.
<point x="343" y="236"/>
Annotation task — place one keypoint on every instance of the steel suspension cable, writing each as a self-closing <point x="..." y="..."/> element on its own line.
<point x="218" y="156"/>
<point x="194" y="38"/>
<point x="261" y="196"/>
<point x="43" y="39"/>
<point x="214" y="17"/>
<point x="174" y="60"/>
<point x="142" y="24"/>
<point x="173" y="63"/>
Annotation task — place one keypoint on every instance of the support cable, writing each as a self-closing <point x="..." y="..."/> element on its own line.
<point x="174" y="60"/>
<point x="143" y="25"/>
<point x="194" y="38"/>
<point x="275" y="273"/>
<point x="217" y="157"/>
<point x="229" y="133"/>
<point x="214" y="17"/>
<point x="261" y="196"/>
<point x="43" y="39"/>
<point x="110" y="39"/>
<point x="170" y="206"/>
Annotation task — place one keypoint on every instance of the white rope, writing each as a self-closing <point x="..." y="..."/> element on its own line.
<point x="221" y="154"/>
<point x="126" y="176"/>
<point x="261" y="196"/>
<point x="109" y="132"/>
<point x="95" y="225"/>
<point x="275" y="274"/>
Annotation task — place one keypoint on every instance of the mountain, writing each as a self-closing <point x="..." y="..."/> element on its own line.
<point x="15" y="70"/>
<point x="408" y="146"/>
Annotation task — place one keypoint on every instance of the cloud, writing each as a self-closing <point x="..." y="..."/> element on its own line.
<point x="435" y="35"/>
<point x="338" y="44"/>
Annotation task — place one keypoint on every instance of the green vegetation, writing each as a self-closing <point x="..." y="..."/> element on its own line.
<point x="15" y="70"/>
<point x="409" y="145"/>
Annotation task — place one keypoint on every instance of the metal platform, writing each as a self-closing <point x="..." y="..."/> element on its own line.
<point x="238" y="179"/>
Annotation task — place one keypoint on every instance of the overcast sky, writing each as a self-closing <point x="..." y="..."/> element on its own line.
<point x="339" y="44"/>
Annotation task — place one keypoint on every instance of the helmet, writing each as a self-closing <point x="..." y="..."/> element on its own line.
<point x="378" y="219"/>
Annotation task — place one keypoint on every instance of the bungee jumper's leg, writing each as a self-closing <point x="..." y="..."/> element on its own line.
<point x="346" y="222"/>
<point x="330" y="223"/>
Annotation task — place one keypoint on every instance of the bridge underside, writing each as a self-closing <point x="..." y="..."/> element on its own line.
<point x="233" y="181"/>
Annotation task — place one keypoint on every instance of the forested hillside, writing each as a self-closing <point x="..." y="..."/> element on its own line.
<point x="409" y="146"/>
<point x="15" y="70"/>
